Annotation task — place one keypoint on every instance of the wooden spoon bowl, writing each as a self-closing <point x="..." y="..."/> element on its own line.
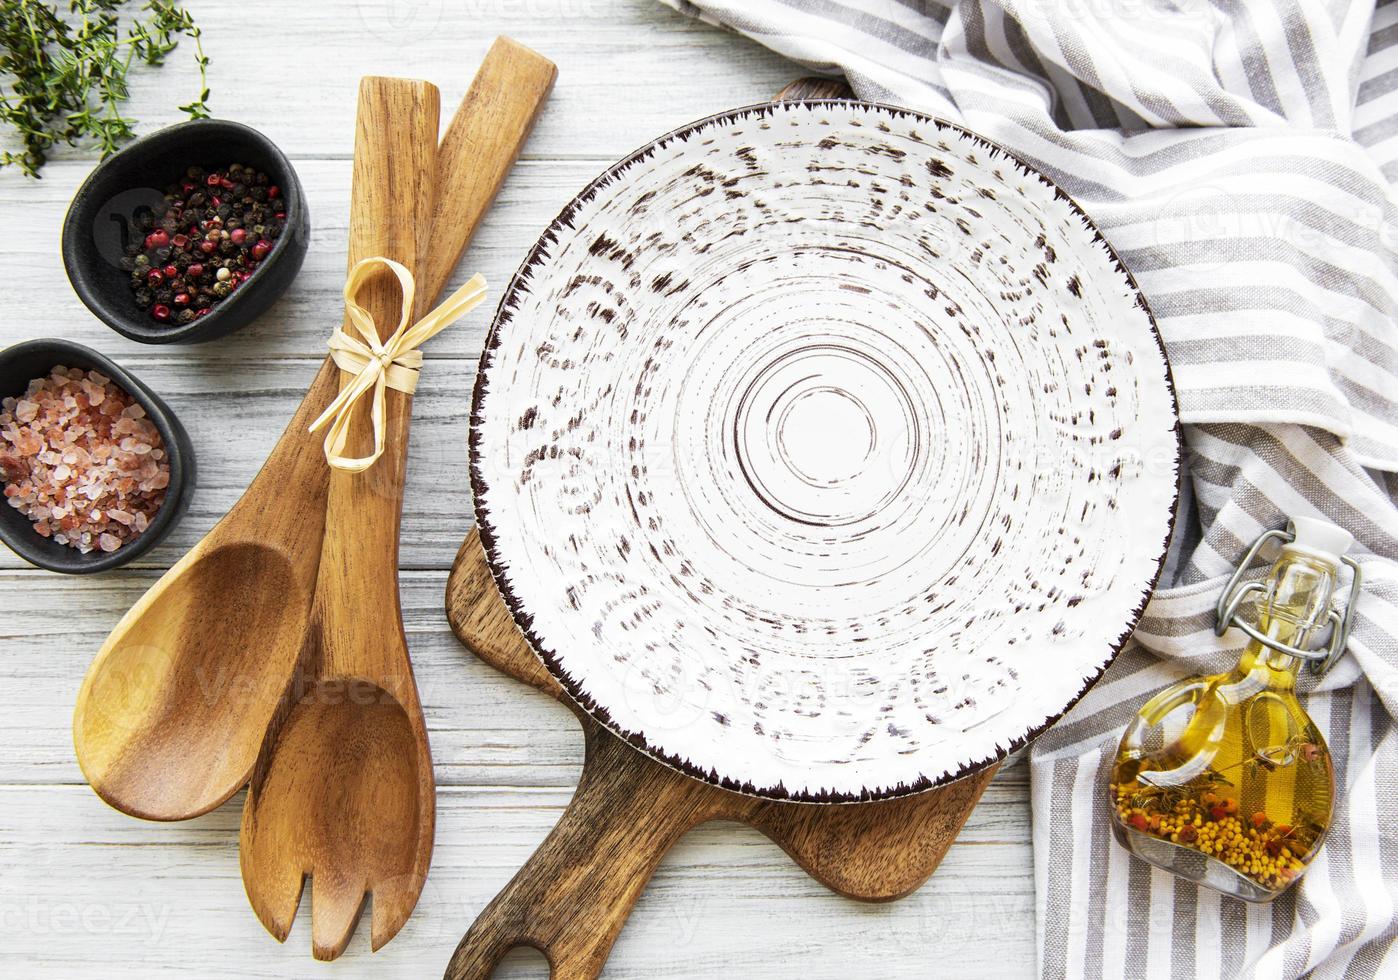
<point x="156" y="703"/>
<point x="172" y="713"/>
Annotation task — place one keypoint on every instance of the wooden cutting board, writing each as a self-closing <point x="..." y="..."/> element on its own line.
<point x="572" y="897"/>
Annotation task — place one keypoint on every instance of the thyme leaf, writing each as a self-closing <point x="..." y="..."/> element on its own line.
<point x="63" y="78"/>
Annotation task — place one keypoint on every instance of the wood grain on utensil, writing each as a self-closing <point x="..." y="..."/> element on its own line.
<point x="344" y="789"/>
<point x="172" y="713"/>
<point x="343" y="792"/>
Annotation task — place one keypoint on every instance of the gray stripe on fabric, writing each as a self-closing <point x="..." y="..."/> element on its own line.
<point x="1284" y="931"/>
<point x="1250" y="248"/>
<point x="1378" y="729"/>
<point x="1246" y="348"/>
<point x="1386" y="773"/>
<point x="1364" y="345"/>
<point x="1218" y="539"/>
<point x="1364" y="965"/>
<point x="1260" y="510"/>
<point x="973" y="29"/>
<point x="1223" y="106"/>
<point x="870" y="24"/>
<point x="1189" y="146"/>
<point x="1182" y="931"/>
<point x="1383" y="38"/>
<point x="1351" y="174"/>
<point x="1376" y="132"/>
<point x="1237" y="299"/>
<point x="1254" y="56"/>
<point x="1243" y="397"/>
<point x="1376" y="453"/>
<point x="1217" y="228"/>
<point x="1089" y="83"/>
<point x="1303" y="56"/>
<point x="1375" y="636"/>
<point x="1338" y="840"/>
<point x="1138" y="940"/>
<point x="1018" y="43"/>
<point x="1234" y="913"/>
<point x="1375" y="403"/>
<point x="868" y="89"/>
<point x="1176" y="626"/>
<point x="933" y="11"/>
<point x="1186" y="534"/>
<point x="1279" y="458"/>
<point x="1284" y="920"/>
<point x="1060" y="868"/>
<point x="1386" y="769"/>
<point x="1098" y="859"/>
<point x="1379" y="85"/>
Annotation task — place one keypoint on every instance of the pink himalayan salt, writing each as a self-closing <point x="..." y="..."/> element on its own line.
<point x="81" y="460"/>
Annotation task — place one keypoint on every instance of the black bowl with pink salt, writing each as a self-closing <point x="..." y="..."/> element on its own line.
<point x="96" y="469"/>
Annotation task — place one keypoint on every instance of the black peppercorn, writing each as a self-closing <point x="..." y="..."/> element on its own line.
<point x="186" y="255"/>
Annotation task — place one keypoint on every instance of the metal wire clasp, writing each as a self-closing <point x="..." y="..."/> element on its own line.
<point x="1236" y="591"/>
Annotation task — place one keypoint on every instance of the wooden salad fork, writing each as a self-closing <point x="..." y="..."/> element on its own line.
<point x="344" y="790"/>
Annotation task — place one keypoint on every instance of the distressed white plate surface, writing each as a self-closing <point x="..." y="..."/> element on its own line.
<point x="824" y="451"/>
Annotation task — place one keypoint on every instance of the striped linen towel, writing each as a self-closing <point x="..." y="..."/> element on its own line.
<point x="1239" y="155"/>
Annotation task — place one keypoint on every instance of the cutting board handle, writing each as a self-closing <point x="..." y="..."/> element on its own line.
<point x="572" y="898"/>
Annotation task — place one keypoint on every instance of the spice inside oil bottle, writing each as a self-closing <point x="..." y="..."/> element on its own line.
<point x="1225" y="780"/>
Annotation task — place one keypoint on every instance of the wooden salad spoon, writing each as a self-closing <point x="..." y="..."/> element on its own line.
<point x="173" y="711"/>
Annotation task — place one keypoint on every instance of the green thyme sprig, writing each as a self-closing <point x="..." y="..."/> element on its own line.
<point x="64" y="79"/>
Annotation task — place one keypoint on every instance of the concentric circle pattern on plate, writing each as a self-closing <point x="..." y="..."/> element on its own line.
<point x="824" y="450"/>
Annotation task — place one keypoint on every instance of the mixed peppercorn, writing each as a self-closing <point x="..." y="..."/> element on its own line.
<point x="1271" y="854"/>
<point x="217" y="228"/>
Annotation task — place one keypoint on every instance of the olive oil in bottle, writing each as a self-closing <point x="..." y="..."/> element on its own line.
<point x="1225" y="780"/>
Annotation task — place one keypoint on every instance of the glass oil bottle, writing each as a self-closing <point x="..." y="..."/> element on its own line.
<point x="1225" y="780"/>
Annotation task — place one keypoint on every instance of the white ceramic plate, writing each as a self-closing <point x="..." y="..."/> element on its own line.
<point x="824" y="451"/>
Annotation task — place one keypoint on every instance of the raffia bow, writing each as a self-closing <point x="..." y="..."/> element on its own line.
<point x="378" y="365"/>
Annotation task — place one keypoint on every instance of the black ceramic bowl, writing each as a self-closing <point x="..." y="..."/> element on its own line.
<point x="102" y="219"/>
<point x="35" y="358"/>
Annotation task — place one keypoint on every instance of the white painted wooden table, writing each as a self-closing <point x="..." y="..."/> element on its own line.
<point x="85" y="890"/>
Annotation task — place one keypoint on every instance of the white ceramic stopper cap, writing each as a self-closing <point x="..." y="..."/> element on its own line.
<point x="1322" y="537"/>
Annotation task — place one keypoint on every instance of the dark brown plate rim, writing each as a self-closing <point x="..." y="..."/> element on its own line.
<point x="519" y="286"/>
